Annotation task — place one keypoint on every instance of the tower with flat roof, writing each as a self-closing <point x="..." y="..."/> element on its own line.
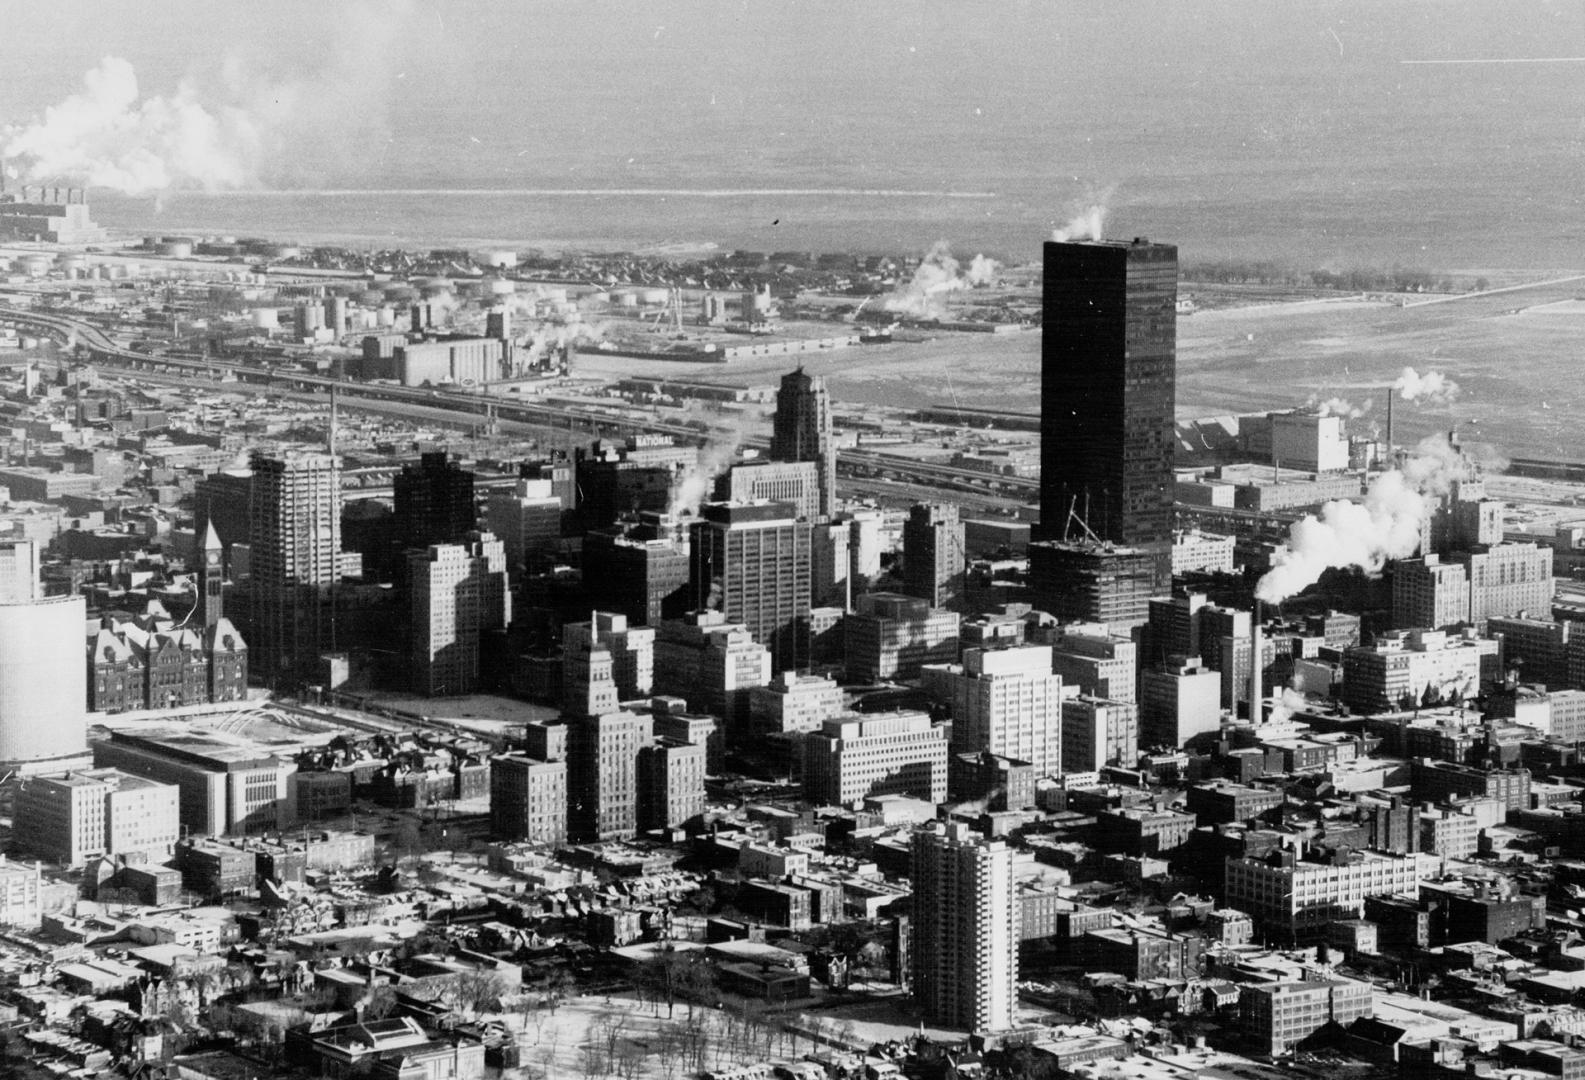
<point x="1108" y="361"/>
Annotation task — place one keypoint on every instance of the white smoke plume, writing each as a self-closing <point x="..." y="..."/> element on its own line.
<point x="244" y="125"/>
<point x="1283" y="708"/>
<point x="1386" y="525"/>
<point x="106" y="135"/>
<point x="714" y="456"/>
<point x="938" y="273"/>
<point x="1338" y="406"/>
<point x="1433" y="387"/>
<point x="1087" y="224"/>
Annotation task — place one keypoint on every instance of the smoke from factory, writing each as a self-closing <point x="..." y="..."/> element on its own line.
<point x="1087" y="224"/>
<point x="1388" y="524"/>
<point x="1283" y="707"/>
<point x="714" y="456"/>
<point x="938" y="273"/>
<point x="1339" y="406"/>
<point x="244" y="126"/>
<point x="1433" y="387"/>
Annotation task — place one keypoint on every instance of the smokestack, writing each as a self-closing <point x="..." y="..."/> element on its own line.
<point x="1256" y="691"/>
<point x="1392" y="392"/>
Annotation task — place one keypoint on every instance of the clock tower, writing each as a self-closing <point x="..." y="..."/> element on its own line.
<point x="213" y="577"/>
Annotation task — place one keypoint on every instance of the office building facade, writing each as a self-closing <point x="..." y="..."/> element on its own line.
<point x="801" y="430"/>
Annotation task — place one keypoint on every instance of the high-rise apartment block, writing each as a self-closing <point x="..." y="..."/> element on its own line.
<point x="1179" y="703"/>
<point x="801" y="431"/>
<point x="528" y="799"/>
<point x="1108" y="384"/>
<point x="750" y="561"/>
<point x="934" y="564"/>
<point x="602" y="775"/>
<point x="671" y="776"/>
<point x="459" y="592"/>
<point x="295" y="562"/>
<point x="964" y="944"/>
<point x="713" y="664"/>
<point x="625" y="655"/>
<point x="1004" y="701"/>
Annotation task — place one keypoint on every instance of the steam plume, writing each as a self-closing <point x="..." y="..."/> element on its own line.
<point x="714" y="456"/>
<point x="1337" y="406"/>
<point x="245" y="127"/>
<point x="1387" y="525"/>
<point x="1087" y="224"/>
<point x="938" y="273"/>
<point x="1433" y="387"/>
<point x="1284" y="707"/>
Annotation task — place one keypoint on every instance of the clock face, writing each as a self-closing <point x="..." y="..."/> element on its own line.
<point x="212" y="558"/>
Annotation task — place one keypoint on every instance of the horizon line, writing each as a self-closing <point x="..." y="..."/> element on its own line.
<point x="1504" y="60"/>
<point x="707" y="193"/>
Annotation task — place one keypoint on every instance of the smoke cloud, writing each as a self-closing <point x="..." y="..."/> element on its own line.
<point x="1433" y="387"/>
<point x="714" y="456"/>
<point x="1337" y="406"/>
<point x="240" y="128"/>
<point x="1284" y="707"/>
<point x="924" y="296"/>
<point x="1087" y="224"/>
<point x="1387" y="525"/>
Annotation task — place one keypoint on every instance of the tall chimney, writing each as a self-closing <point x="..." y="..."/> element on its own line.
<point x="1392" y="392"/>
<point x="1256" y="691"/>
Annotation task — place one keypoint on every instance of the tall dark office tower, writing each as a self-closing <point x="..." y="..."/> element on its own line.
<point x="434" y="502"/>
<point x="1107" y="368"/>
<point x="751" y="561"/>
<point x="295" y="515"/>
<point x="933" y="558"/>
<point x="801" y="431"/>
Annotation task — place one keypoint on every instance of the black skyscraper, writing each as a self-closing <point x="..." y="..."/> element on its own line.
<point x="1107" y="391"/>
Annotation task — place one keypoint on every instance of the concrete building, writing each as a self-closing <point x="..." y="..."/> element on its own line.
<point x="892" y="636"/>
<point x="226" y="785"/>
<point x="934" y="561"/>
<point x="1278" y="1016"/>
<point x="1097" y="732"/>
<point x="713" y="664"/>
<point x="1098" y="663"/>
<point x="965" y="930"/>
<point x="527" y="520"/>
<point x="602" y="775"/>
<point x="1179" y="703"/>
<point x="793" y="704"/>
<point x="853" y="758"/>
<point x="1196" y="552"/>
<point x="637" y="572"/>
<point x="794" y="482"/>
<point x="459" y="593"/>
<point x="1309" y="440"/>
<point x="801" y="430"/>
<point x="1407" y="668"/>
<point x="751" y="562"/>
<point x="1293" y="899"/>
<point x="20" y="894"/>
<point x="1536" y="648"/>
<point x="630" y="651"/>
<point x="1427" y="592"/>
<point x="72" y="818"/>
<point x="671" y="777"/>
<point x="528" y="799"/>
<point x="1003" y="701"/>
<point x="43" y="680"/>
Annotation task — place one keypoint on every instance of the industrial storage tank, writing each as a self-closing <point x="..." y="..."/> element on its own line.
<point x="175" y="247"/>
<point x="267" y="318"/>
<point x="656" y="296"/>
<point x="499" y="258"/>
<point x="43" y="679"/>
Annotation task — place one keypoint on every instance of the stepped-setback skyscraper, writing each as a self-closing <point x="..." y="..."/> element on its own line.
<point x="801" y="431"/>
<point x="1107" y="366"/>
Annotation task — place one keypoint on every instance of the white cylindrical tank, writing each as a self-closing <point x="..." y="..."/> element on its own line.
<point x="177" y="249"/>
<point x="43" y="679"/>
<point x="499" y="258"/>
<point x="656" y="296"/>
<point x="267" y="318"/>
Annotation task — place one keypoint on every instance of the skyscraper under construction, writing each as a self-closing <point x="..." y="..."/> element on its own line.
<point x="1107" y="366"/>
